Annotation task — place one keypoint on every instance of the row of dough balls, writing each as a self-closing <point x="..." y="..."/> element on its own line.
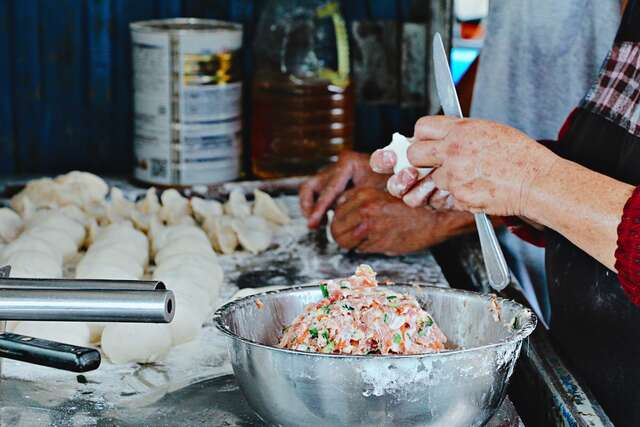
<point x="187" y="265"/>
<point x="49" y="238"/>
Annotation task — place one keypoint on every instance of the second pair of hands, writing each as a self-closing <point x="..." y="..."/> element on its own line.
<point x="367" y="218"/>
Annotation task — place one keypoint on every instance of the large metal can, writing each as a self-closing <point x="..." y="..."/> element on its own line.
<point x="187" y="101"/>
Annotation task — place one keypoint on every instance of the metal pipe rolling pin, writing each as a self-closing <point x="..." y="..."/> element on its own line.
<point x="81" y="284"/>
<point x="79" y="305"/>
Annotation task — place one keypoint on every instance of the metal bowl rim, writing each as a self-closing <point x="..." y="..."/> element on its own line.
<point x="527" y="328"/>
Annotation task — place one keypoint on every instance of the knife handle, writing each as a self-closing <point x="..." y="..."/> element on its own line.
<point x="48" y="353"/>
<point x="495" y="264"/>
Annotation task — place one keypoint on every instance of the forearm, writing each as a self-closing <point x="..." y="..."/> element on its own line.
<point x="582" y="205"/>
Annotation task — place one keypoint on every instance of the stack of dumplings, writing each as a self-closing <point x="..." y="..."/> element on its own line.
<point x="75" y="220"/>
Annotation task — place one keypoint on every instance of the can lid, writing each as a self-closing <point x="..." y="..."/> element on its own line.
<point x="185" y="25"/>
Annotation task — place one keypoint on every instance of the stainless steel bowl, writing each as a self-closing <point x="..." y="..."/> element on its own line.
<point x="461" y="387"/>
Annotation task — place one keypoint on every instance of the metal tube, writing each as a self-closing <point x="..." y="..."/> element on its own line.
<point x="155" y="306"/>
<point x="81" y="284"/>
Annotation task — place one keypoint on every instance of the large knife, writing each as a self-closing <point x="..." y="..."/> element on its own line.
<point x="494" y="262"/>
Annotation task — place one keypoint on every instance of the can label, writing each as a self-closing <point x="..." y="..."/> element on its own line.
<point x="187" y="98"/>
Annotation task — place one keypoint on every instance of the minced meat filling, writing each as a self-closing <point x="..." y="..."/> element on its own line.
<point x="356" y="316"/>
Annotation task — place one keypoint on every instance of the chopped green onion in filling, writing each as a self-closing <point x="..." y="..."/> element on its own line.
<point x="323" y="288"/>
<point x="313" y="331"/>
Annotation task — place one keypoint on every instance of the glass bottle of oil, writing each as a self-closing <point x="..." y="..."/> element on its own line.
<point x="302" y="100"/>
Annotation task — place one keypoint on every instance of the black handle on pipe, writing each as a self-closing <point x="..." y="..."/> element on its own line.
<point x="48" y="353"/>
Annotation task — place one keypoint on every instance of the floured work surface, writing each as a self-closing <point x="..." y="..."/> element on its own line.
<point x="192" y="386"/>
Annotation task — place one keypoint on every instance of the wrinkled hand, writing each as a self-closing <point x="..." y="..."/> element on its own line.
<point x="318" y="193"/>
<point x="369" y="220"/>
<point x="485" y="166"/>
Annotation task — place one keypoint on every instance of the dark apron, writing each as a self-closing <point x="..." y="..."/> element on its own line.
<point x="594" y="325"/>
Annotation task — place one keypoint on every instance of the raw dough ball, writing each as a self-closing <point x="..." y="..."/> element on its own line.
<point x="56" y="219"/>
<point x="32" y="243"/>
<point x="253" y="232"/>
<point x="221" y="233"/>
<point x="189" y="259"/>
<point x="33" y="264"/>
<point x="183" y="245"/>
<point x="237" y="205"/>
<point x="136" y="342"/>
<point x="203" y="209"/>
<point x="108" y="256"/>
<point x="399" y="145"/>
<point x="165" y="235"/>
<point x="185" y="325"/>
<point x="268" y="209"/>
<point x="193" y="298"/>
<point x="56" y="238"/>
<point x="74" y="333"/>
<point x="201" y="276"/>
<point x="10" y="225"/>
<point x="104" y="271"/>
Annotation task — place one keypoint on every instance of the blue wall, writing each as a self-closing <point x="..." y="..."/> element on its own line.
<point x="65" y="78"/>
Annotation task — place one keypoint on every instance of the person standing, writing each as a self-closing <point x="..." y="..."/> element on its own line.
<point x="538" y="59"/>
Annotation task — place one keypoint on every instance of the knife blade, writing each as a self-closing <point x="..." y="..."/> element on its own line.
<point x="494" y="262"/>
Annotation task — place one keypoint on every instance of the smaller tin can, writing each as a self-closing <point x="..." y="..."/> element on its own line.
<point x="187" y="95"/>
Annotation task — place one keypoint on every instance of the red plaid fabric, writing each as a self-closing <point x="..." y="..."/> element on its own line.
<point x="616" y="95"/>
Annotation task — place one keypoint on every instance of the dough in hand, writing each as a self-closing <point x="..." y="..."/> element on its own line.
<point x="136" y="342"/>
<point x="221" y="233"/>
<point x="203" y="209"/>
<point x="237" y="205"/>
<point x="399" y="145"/>
<point x="74" y="333"/>
<point x="253" y="233"/>
<point x="10" y="225"/>
<point x="268" y="209"/>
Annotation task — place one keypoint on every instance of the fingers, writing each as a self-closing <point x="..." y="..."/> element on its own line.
<point x="426" y="153"/>
<point x="332" y="190"/>
<point x="419" y="195"/>
<point x="370" y="246"/>
<point x="433" y="127"/>
<point x="400" y="183"/>
<point x="383" y="161"/>
<point x="351" y="238"/>
<point x="441" y="200"/>
<point x="307" y="193"/>
<point x="347" y="214"/>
